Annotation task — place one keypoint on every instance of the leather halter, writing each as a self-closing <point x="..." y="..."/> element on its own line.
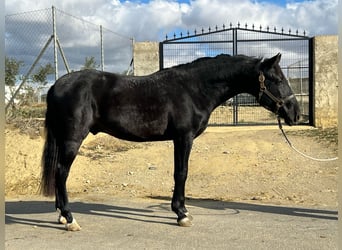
<point x="263" y="90"/>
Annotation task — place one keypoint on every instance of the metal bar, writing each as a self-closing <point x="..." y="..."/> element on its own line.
<point x="197" y="35"/>
<point x="63" y="56"/>
<point x="311" y="84"/>
<point x="229" y="29"/>
<point x="235" y="41"/>
<point x="54" y="41"/>
<point x="28" y="73"/>
<point x="161" y="56"/>
<point x="297" y="67"/>
<point x="271" y="40"/>
<point x="235" y="102"/>
<point x="274" y="33"/>
<point x="131" y="65"/>
<point x="195" y="42"/>
<point x="238" y="40"/>
<point x="102" y="50"/>
<point x="301" y="94"/>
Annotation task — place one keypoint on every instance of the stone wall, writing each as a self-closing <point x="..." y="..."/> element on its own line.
<point x="325" y="81"/>
<point x="146" y="58"/>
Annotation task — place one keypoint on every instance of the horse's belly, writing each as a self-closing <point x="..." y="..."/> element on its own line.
<point x="138" y="128"/>
<point x="146" y="129"/>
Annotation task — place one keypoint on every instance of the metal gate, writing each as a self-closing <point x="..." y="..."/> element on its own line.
<point x="243" y="109"/>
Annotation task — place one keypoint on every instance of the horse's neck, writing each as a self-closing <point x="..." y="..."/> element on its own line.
<point x="223" y="85"/>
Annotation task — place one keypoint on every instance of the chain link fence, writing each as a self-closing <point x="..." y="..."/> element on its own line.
<point x="53" y="37"/>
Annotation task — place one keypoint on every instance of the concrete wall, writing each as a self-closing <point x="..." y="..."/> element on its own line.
<point x="325" y="81"/>
<point x="146" y="58"/>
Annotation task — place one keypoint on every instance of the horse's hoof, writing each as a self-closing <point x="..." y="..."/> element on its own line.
<point x="185" y="222"/>
<point x="73" y="226"/>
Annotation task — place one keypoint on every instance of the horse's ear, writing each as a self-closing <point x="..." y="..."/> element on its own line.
<point x="270" y="62"/>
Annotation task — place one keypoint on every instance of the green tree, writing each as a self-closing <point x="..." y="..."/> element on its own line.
<point x="12" y="68"/>
<point x="41" y="74"/>
<point x="90" y="63"/>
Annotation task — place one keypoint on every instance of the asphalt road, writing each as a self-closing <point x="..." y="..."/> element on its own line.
<point x="111" y="223"/>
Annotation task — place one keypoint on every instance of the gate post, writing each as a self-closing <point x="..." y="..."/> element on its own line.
<point x="161" y="56"/>
<point x="311" y="84"/>
<point x="235" y="99"/>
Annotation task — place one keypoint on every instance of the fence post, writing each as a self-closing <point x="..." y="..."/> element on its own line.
<point x="63" y="56"/>
<point x="54" y="41"/>
<point x="102" y="52"/>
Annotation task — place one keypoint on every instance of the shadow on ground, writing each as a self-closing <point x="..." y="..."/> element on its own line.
<point x="17" y="211"/>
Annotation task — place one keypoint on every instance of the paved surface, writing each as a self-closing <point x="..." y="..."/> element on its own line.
<point x="110" y="223"/>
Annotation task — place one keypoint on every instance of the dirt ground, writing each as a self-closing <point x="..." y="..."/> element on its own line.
<point x="249" y="164"/>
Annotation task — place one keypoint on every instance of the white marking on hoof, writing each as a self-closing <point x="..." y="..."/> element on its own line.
<point x="189" y="216"/>
<point x="61" y="219"/>
<point x="73" y="226"/>
<point x="185" y="222"/>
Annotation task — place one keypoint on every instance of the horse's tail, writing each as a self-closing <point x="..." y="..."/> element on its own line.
<point x="50" y="153"/>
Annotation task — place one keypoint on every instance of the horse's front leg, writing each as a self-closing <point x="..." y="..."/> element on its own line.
<point x="182" y="149"/>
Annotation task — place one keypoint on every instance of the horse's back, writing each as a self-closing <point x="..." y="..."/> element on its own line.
<point x="75" y="82"/>
<point x="133" y="108"/>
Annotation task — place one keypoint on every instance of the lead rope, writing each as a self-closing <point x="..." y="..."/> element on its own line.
<point x="293" y="147"/>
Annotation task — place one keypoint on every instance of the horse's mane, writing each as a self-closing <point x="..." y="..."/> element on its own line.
<point x="222" y="58"/>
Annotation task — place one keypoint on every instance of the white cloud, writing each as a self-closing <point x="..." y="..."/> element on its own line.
<point x="317" y="17"/>
<point x="147" y="21"/>
<point x="151" y="21"/>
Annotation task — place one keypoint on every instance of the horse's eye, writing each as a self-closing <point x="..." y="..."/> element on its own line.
<point x="279" y="81"/>
<point x="276" y="81"/>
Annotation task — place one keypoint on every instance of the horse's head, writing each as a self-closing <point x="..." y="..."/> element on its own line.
<point x="275" y="92"/>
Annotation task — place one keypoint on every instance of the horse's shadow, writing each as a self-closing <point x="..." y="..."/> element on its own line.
<point x="236" y="207"/>
<point x="159" y="213"/>
<point x="17" y="213"/>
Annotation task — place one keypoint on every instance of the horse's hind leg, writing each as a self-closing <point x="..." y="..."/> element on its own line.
<point x="68" y="153"/>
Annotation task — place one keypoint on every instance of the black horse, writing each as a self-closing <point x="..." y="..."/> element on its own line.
<point x="171" y="104"/>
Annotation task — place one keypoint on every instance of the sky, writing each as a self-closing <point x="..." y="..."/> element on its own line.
<point x="152" y="20"/>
